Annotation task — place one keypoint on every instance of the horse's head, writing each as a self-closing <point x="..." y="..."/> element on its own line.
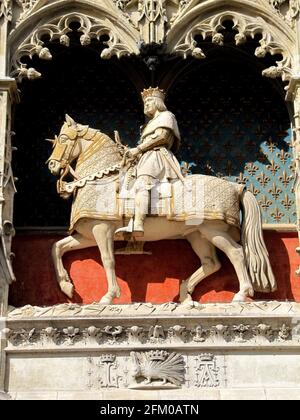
<point x="66" y="146"/>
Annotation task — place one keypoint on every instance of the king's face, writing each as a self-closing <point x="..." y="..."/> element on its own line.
<point x="149" y="106"/>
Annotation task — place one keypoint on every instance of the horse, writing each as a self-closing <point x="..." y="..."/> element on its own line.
<point x="99" y="158"/>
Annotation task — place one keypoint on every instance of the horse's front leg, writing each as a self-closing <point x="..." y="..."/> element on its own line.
<point x="70" y="243"/>
<point x="104" y="236"/>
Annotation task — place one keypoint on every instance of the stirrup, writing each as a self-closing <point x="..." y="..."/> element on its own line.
<point x="130" y="229"/>
<point x="126" y="229"/>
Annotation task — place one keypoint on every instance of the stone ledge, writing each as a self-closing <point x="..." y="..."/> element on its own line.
<point x="170" y="309"/>
<point x="179" y="395"/>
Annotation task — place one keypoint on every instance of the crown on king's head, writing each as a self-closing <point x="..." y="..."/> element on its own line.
<point x="153" y="92"/>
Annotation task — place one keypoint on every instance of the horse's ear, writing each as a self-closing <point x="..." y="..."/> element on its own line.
<point x="70" y="121"/>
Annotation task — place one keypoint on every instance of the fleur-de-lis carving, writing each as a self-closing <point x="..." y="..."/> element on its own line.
<point x="287" y="202"/>
<point x="273" y="167"/>
<point x="275" y="191"/>
<point x="277" y="215"/>
<point x="253" y="190"/>
<point x="263" y="179"/>
<point x="265" y="203"/>
<point x="241" y="179"/>
<point x="283" y="156"/>
<point x="251" y="168"/>
<point x="271" y="145"/>
<point x="285" y="179"/>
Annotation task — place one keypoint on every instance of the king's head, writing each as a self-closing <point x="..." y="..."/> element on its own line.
<point x="153" y="93"/>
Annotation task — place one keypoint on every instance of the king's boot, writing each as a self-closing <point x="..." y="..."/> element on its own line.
<point x="136" y="224"/>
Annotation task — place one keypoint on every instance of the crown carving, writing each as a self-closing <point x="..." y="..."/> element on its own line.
<point x="206" y="357"/>
<point x="157" y="355"/>
<point x="107" y="358"/>
<point x="153" y="92"/>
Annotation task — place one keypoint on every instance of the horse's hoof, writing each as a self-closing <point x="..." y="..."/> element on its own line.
<point x="239" y="297"/>
<point x="107" y="299"/>
<point x="67" y="288"/>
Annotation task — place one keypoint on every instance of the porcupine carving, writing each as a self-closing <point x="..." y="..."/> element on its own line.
<point x="159" y="364"/>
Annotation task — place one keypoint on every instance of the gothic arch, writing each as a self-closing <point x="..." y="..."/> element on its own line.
<point x="53" y="20"/>
<point x="249" y="19"/>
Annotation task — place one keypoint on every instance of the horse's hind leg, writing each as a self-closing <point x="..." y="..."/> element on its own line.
<point x="70" y="243"/>
<point x="209" y="260"/>
<point x="104" y="236"/>
<point x="222" y="240"/>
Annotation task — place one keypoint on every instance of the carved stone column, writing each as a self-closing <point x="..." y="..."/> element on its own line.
<point x="8" y="95"/>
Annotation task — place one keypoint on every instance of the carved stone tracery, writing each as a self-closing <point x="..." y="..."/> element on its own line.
<point x="246" y="27"/>
<point x="58" y="29"/>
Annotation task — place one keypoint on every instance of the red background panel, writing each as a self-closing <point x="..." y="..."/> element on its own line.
<point x="143" y="278"/>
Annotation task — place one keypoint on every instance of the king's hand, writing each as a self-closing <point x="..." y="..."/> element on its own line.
<point x="134" y="152"/>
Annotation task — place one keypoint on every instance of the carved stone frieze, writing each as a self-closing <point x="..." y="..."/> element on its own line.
<point x="211" y="334"/>
<point x="58" y="29"/>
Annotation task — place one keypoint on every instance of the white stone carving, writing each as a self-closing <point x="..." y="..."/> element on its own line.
<point x="206" y="371"/>
<point x="135" y="334"/>
<point x="287" y="9"/>
<point x="157" y="368"/>
<point x="58" y="29"/>
<point x="71" y="334"/>
<point x="245" y="26"/>
<point x="26" y="6"/>
<point x="156" y="334"/>
<point x="103" y="372"/>
<point x="177" y="334"/>
<point x="152" y="19"/>
<point x="148" y="309"/>
<point x="113" y="332"/>
<point x="6" y="9"/>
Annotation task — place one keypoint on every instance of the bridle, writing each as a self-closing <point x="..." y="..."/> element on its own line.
<point x="62" y="153"/>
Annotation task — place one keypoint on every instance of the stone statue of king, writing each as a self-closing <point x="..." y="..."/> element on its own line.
<point x="156" y="162"/>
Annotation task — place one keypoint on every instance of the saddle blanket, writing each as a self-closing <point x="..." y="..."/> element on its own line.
<point x="199" y="198"/>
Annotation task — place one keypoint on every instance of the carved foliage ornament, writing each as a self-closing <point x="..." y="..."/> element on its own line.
<point x="245" y="27"/>
<point x="5" y="9"/>
<point x="293" y="8"/>
<point x="58" y="29"/>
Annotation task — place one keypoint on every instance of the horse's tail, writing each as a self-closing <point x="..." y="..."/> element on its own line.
<point x="256" y="254"/>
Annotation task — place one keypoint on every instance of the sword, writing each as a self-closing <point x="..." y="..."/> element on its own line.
<point x="170" y="161"/>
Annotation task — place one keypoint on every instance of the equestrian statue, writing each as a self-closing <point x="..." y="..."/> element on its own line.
<point x="140" y="194"/>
